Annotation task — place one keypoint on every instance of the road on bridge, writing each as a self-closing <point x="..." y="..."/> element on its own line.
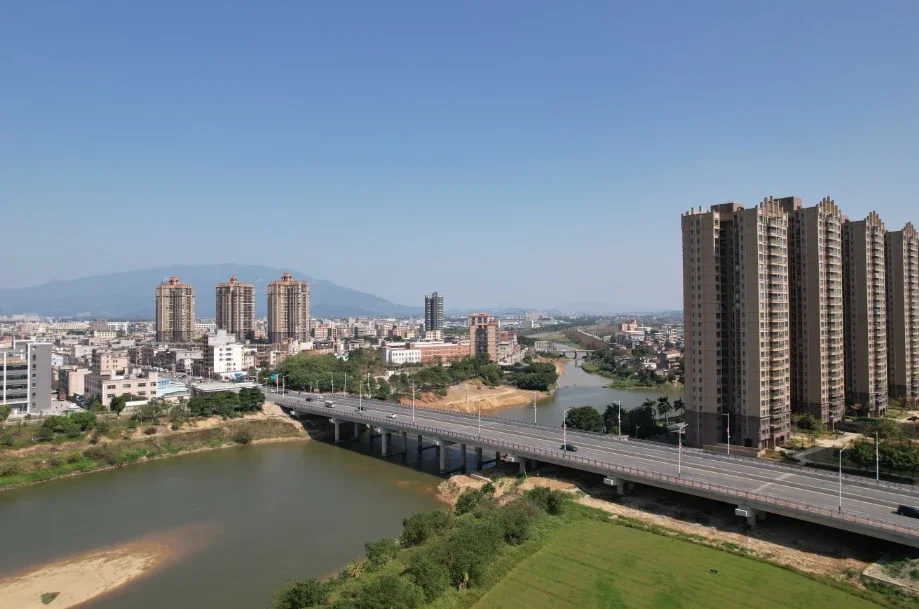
<point x="860" y="496"/>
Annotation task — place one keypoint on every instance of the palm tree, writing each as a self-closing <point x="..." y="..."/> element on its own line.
<point x="664" y="407"/>
<point x="678" y="406"/>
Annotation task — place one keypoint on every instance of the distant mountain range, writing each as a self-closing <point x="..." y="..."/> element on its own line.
<point x="130" y="295"/>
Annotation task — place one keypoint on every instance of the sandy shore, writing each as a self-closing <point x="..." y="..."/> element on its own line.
<point x="79" y="579"/>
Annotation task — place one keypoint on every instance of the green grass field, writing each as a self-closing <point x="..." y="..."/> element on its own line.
<point x="591" y="564"/>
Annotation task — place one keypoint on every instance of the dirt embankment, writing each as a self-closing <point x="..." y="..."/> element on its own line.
<point x="472" y="395"/>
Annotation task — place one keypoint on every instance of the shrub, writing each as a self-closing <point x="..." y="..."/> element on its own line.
<point x="243" y="435"/>
<point x="74" y="458"/>
<point x="150" y="430"/>
<point x="73" y="431"/>
<point x="468" y="551"/>
<point x="44" y="434"/>
<point x="56" y="423"/>
<point x="467" y="501"/>
<point x="419" y="528"/>
<point x="432" y="577"/>
<point x="104" y="454"/>
<point x="516" y="523"/>
<point x="7" y="440"/>
<point x="301" y="593"/>
<point x="488" y="489"/>
<point x="132" y="424"/>
<point x="390" y="592"/>
<point x="553" y="502"/>
<point x="102" y="426"/>
<point x="381" y="551"/>
<point x="84" y="420"/>
<point x="9" y="469"/>
<point x="94" y="437"/>
<point x="175" y="427"/>
<point x="55" y="461"/>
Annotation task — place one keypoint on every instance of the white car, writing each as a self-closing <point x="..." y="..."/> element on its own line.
<point x="391" y="415"/>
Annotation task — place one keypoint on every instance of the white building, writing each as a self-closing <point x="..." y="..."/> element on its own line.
<point x="223" y="356"/>
<point x="399" y="356"/>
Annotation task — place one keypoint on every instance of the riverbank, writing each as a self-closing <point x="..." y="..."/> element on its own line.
<point x="44" y="462"/>
<point x="619" y="383"/>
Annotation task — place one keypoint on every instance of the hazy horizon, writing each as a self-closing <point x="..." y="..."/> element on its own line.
<point x="523" y="154"/>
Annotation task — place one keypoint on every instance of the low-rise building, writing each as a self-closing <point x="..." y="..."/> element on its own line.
<point x="105" y="387"/>
<point x="398" y="356"/>
<point x="433" y="352"/>
<point x="25" y="376"/>
<point x="71" y="380"/>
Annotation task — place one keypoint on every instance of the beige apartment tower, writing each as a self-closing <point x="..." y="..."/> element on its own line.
<point x="236" y="308"/>
<point x="483" y="336"/>
<point x="902" y="258"/>
<point x="288" y="310"/>
<point x="175" y="312"/>
<point x="736" y="319"/>
<point x="865" y="299"/>
<point x="816" y="306"/>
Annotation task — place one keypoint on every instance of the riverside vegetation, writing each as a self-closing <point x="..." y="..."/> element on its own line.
<point x="646" y="420"/>
<point x="34" y="451"/>
<point x="626" y="370"/>
<point x="541" y="549"/>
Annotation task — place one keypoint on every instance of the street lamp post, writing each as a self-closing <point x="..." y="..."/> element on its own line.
<point x="877" y="458"/>
<point x="840" y="479"/>
<point x="413" y="400"/>
<point x="679" y="462"/>
<point x="534" y="411"/>
<point x="728" y="415"/>
<point x="565" y="430"/>
<point x="480" y="420"/>
<point x="618" y="404"/>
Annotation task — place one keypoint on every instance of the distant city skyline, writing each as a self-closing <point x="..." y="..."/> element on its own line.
<point x="394" y="147"/>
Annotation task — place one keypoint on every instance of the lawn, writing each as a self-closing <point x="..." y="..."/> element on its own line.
<point x="596" y="564"/>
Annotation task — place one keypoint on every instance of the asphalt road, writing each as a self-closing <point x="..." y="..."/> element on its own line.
<point x="819" y="489"/>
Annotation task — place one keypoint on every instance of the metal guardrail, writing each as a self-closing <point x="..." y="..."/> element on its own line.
<point x="853" y="517"/>
<point x="797" y="469"/>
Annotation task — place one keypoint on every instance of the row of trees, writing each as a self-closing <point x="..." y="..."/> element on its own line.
<point x="627" y="369"/>
<point x="457" y="551"/>
<point x="646" y="420"/>
<point x="891" y="457"/>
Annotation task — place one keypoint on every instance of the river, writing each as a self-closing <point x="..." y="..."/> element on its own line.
<point x="241" y="520"/>
<point x="579" y="388"/>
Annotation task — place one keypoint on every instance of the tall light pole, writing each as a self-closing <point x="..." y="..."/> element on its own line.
<point x="345" y="388"/>
<point x="534" y="411"/>
<point x="413" y="400"/>
<point x="877" y="458"/>
<point x="728" y="415"/>
<point x="332" y="377"/>
<point x="840" y="479"/>
<point x="360" y="396"/>
<point x="565" y="430"/>
<point x="679" y="458"/>
<point x="480" y="419"/>
<point x="618" y="404"/>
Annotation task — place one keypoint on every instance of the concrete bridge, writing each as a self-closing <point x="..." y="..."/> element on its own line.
<point x="574" y="352"/>
<point x="756" y="487"/>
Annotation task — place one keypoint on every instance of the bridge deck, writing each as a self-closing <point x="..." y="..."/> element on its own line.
<point x="867" y="507"/>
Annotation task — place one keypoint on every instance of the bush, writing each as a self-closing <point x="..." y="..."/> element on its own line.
<point x="488" y="489"/>
<point x="516" y="521"/>
<point x="150" y="430"/>
<point x="74" y="458"/>
<point x="45" y="434"/>
<point x="73" y="431"/>
<point x="94" y="437"/>
<point x="469" y="549"/>
<point x="84" y="420"/>
<point x="419" y="528"/>
<point x="432" y="577"/>
<point x="301" y="593"/>
<point x="243" y="435"/>
<point x="390" y="592"/>
<point x="55" y="461"/>
<point x="7" y="440"/>
<point x="56" y="423"/>
<point x="103" y="454"/>
<point x="132" y="424"/>
<point x="102" y="426"/>
<point x="467" y="501"/>
<point x="9" y="469"/>
<point x="380" y="552"/>
<point x="553" y="502"/>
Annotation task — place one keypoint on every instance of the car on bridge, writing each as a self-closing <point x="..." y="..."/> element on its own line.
<point x="329" y="404"/>
<point x="571" y="448"/>
<point x="907" y="510"/>
<point x="391" y="415"/>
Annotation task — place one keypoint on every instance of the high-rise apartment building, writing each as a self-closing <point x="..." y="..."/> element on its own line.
<point x="483" y="336"/>
<point x="865" y="299"/>
<point x="288" y="310"/>
<point x="433" y="312"/>
<point x="736" y="323"/>
<point x="902" y="267"/>
<point x="175" y="312"/>
<point x="25" y="377"/>
<point x="816" y="299"/>
<point x="236" y="308"/>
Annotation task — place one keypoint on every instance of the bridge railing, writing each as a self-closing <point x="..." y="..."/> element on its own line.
<point x="563" y="457"/>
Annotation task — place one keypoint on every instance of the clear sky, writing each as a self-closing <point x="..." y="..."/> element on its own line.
<point x="515" y="153"/>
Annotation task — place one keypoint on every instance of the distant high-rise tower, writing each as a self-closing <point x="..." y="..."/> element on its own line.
<point x="815" y="285"/>
<point x="483" y="336"/>
<point x="735" y="295"/>
<point x="288" y="309"/>
<point x="864" y="285"/>
<point x="433" y="312"/>
<point x="236" y="308"/>
<point x="903" y="314"/>
<point x="175" y="312"/>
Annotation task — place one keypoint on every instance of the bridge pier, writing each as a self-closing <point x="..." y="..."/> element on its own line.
<point x="619" y="483"/>
<point x="404" y="441"/>
<point x="443" y="456"/>
<point x="463" y="458"/>
<point x="478" y="459"/>
<point x="752" y="515"/>
<point x="337" y="424"/>
<point x="384" y="436"/>
<point x="356" y="429"/>
<point x="420" y="442"/>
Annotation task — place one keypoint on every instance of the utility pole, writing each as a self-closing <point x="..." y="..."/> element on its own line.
<point x="877" y="457"/>
<point x="413" y="400"/>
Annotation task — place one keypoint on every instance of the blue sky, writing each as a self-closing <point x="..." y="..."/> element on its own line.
<point x="514" y="153"/>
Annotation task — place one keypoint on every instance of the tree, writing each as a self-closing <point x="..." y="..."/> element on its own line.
<point x="381" y="551"/>
<point x="418" y="528"/>
<point x="611" y="418"/>
<point x="432" y="577"/>
<point x="85" y="420"/>
<point x="251" y="399"/>
<point x="585" y="418"/>
<point x="4" y="414"/>
<point x="889" y="429"/>
<point x="300" y="594"/>
<point x="679" y="406"/>
<point x="150" y="411"/>
<point x="44" y="434"/>
<point x="178" y="415"/>
<point x="117" y="405"/>
<point x="664" y="407"/>
<point x="390" y="592"/>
